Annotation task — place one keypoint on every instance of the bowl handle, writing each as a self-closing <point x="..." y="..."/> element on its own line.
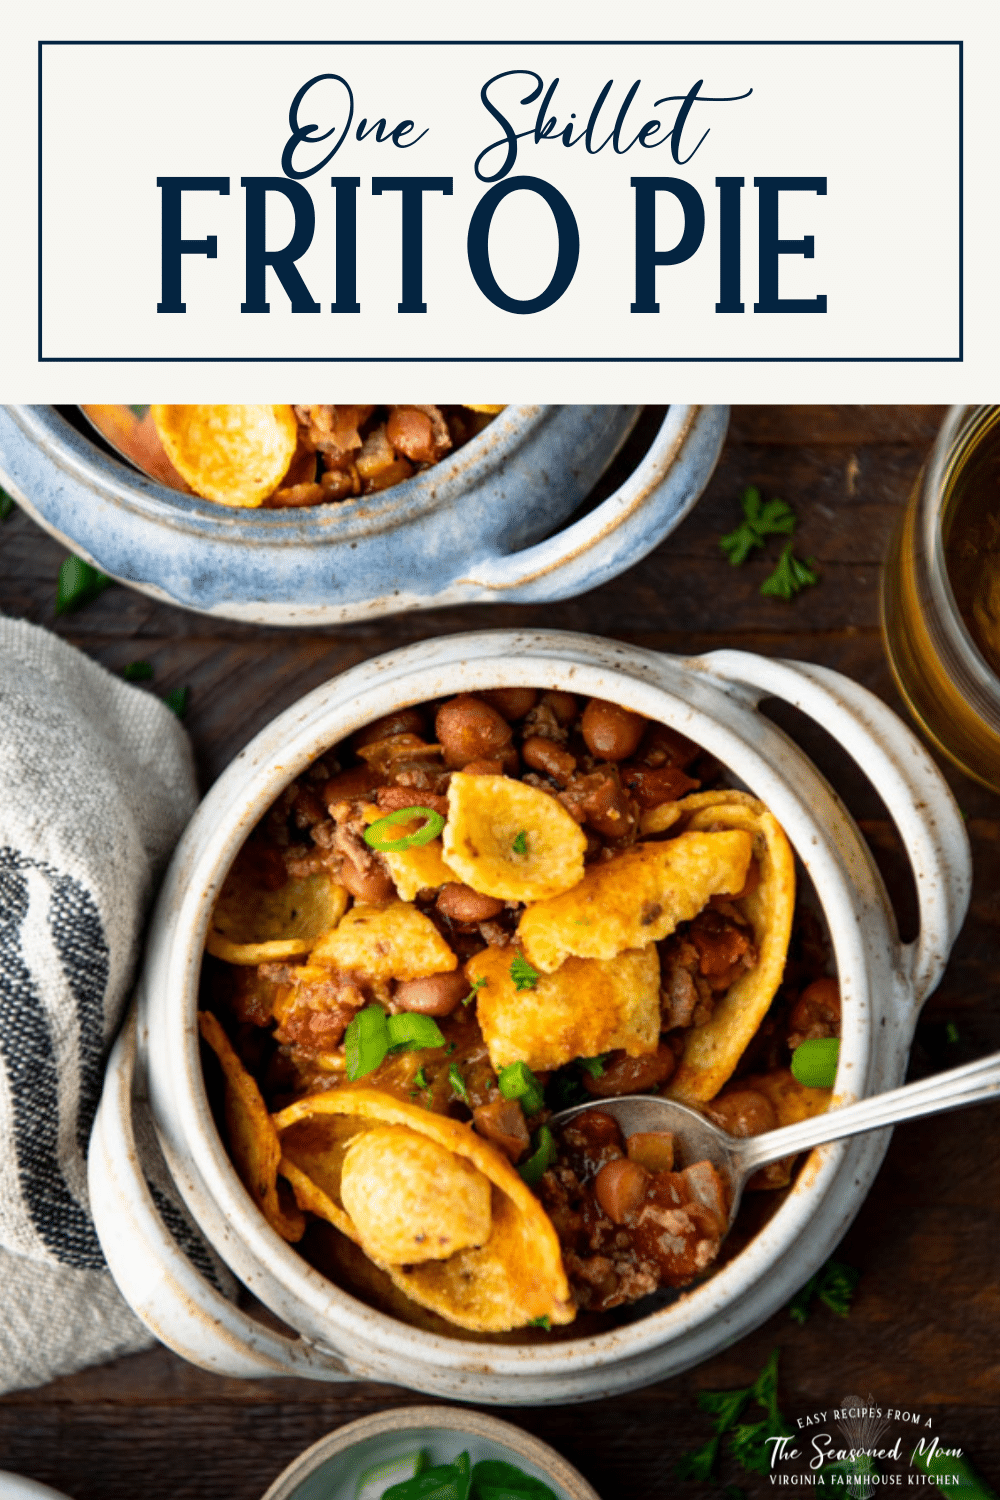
<point x="913" y="789"/>
<point x="163" y="1288"/>
<point x="622" y="529"/>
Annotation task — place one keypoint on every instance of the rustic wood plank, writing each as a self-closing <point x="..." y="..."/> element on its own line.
<point x="924" y="1330"/>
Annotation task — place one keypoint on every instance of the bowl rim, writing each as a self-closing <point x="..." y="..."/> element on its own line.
<point x="128" y="487"/>
<point x="454" y="1419"/>
<point x="257" y="778"/>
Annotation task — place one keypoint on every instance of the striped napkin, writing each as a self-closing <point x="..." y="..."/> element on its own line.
<point x="96" y="784"/>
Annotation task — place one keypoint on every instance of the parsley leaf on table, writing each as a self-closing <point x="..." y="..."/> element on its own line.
<point x="747" y="1441"/>
<point x="760" y="520"/>
<point x="6" y="505"/>
<point x="790" y="577"/>
<point x="177" y="701"/>
<point x="834" y="1284"/>
<point x="78" y="584"/>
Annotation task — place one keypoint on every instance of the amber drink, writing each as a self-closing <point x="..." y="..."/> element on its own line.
<point x="941" y="594"/>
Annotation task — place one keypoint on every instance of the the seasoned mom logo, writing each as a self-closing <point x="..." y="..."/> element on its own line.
<point x="860" y="1447"/>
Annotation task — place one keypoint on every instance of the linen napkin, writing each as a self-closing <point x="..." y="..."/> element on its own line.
<point x="96" y="784"/>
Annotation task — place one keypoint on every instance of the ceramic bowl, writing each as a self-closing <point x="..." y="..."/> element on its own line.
<point x="475" y="528"/>
<point x="331" y="1468"/>
<point x="14" y="1487"/>
<point x="711" y="699"/>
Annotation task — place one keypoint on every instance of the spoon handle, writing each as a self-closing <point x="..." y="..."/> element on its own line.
<point x="954" y="1089"/>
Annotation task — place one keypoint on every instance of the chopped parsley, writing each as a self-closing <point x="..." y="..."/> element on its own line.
<point x="458" y="1083"/>
<point x="833" y="1284"/>
<point x="517" y="1081"/>
<point x="523" y="975"/>
<point x="790" y="577"/>
<point x="543" y="1322"/>
<point x="520" y="844"/>
<point x="477" y="985"/>
<point x="760" y="521"/>
<point x="420" y="1078"/>
<point x="594" y="1065"/>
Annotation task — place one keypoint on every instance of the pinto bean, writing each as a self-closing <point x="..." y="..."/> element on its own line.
<point x="816" y="1013"/>
<point x="402" y="721"/>
<point x="348" y="785"/>
<point x="372" y="886"/>
<point x="483" y="768"/>
<point x="437" y="995"/>
<point x="665" y="747"/>
<point x="563" y="705"/>
<point x="743" y="1112"/>
<point x="513" y="703"/>
<point x="620" y="1187"/>
<point x="469" y="729"/>
<point x="546" y="756"/>
<point x="651" y="788"/>
<point x="610" y="731"/>
<point x="461" y="904"/>
<point x="632" y="1075"/>
<point x="410" y="433"/>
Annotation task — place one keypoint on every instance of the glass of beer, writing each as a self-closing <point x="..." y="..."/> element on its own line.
<point x="941" y="594"/>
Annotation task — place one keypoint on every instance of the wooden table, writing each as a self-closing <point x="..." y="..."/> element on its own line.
<point x="925" y="1330"/>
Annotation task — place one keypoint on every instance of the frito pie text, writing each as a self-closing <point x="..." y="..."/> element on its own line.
<point x="534" y="116"/>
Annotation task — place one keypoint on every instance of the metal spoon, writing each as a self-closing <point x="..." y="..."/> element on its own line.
<point x="736" y="1159"/>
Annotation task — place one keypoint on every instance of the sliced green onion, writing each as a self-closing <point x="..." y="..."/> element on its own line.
<point x="366" y="1042"/>
<point x="372" y="1483"/>
<point x="374" y="833"/>
<point x="523" y="975"/>
<point x="517" y="1081"/>
<point x="137" y="671"/>
<point x="520" y="844"/>
<point x="541" y="1159"/>
<point x="593" y="1065"/>
<point x="409" y="1031"/>
<point x="78" y="584"/>
<point x="458" y="1083"/>
<point x="814" y="1063"/>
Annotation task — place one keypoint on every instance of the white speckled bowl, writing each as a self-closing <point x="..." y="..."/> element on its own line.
<point x="330" y="1469"/>
<point x="713" y="700"/>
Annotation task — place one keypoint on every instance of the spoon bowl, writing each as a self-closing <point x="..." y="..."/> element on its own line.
<point x="737" y="1158"/>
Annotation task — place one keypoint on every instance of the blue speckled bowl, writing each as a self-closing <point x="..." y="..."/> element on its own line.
<point x="469" y="530"/>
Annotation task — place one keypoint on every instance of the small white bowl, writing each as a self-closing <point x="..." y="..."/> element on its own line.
<point x="331" y="1468"/>
<point x="14" y="1487"/>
